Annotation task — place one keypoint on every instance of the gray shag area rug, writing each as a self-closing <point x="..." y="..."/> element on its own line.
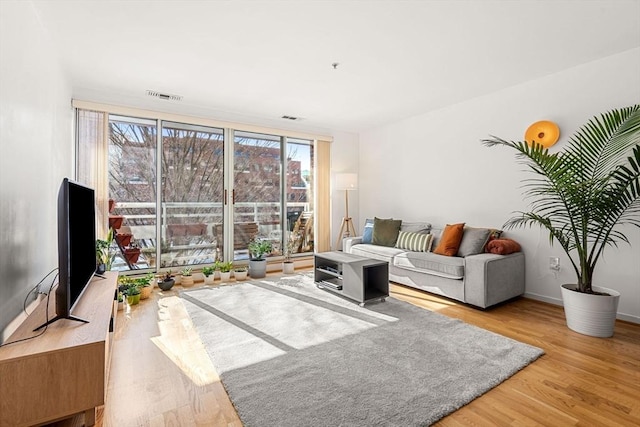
<point x="290" y="354"/>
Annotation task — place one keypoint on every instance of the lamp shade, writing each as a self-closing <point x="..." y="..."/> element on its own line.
<point x="544" y="132"/>
<point x="346" y="181"/>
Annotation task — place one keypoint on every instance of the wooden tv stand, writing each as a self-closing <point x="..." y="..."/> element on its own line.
<point x="63" y="372"/>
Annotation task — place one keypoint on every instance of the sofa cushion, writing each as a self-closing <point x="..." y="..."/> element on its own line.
<point x="428" y="262"/>
<point x="503" y="246"/>
<point x="418" y="242"/>
<point x="416" y="227"/>
<point x="385" y="231"/>
<point x="367" y="233"/>
<point x="473" y="241"/>
<point x="450" y="240"/>
<point x="382" y="253"/>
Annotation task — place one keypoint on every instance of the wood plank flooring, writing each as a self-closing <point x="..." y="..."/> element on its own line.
<point x="162" y="376"/>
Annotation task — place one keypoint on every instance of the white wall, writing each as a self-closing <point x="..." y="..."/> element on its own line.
<point x="434" y="167"/>
<point x="344" y="158"/>
<point x="37" y="151"/>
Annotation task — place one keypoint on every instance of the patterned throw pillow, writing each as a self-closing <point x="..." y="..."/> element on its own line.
<point x="416" y="242"/>
<point x="367" y="233"/>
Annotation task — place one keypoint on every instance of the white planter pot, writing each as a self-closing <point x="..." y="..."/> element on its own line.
<point x="587" y="314"/>
<point x="225" y="276"/>
<point x="288" y="267"/>
<point x="240" y="275"/>
<point x="208" y="280"/>
<point x="257" y="268"/>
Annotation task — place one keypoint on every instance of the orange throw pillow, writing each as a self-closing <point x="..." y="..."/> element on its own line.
<point x="450" y="240"/>
<point x="503" y="246"/>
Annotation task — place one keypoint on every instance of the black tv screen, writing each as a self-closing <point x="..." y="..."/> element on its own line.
<point x="76" y="245"/>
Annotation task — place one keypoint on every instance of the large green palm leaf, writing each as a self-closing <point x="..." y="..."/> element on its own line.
<point x="583" y="194"/>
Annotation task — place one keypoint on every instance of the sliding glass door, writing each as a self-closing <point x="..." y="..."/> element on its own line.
<point x="186" y="195"/>
<point x="192" y="186"/>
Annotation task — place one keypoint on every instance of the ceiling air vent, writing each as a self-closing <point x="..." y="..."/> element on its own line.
<point x="291" y="118"/>
<point x="164" y="96"/>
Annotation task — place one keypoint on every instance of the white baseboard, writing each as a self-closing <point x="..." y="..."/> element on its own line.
<point x="558" y="301"/>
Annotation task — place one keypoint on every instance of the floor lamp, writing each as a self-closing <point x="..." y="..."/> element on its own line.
<point x="346" y="182"/>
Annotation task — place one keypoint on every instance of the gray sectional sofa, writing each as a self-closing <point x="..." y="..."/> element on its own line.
<point x="481" y="279"/>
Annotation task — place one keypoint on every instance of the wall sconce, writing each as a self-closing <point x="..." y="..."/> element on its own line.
<point x="544" y="132"/>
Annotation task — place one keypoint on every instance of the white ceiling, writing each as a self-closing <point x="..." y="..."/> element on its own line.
<point x="259" y="60"/>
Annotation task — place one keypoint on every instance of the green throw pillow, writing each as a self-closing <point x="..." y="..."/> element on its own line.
<point x="385" y="231"/>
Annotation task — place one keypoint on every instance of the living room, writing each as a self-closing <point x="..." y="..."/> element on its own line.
<point x="422" y="160"/>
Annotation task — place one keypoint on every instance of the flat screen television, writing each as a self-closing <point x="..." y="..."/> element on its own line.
<point x="76" y="246"/>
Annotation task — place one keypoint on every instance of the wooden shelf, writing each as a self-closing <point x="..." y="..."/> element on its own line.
<point x="64" y="371"/>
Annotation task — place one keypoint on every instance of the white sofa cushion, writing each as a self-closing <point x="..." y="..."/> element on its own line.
<point x="382" y="253"/>
<point x="430" y="263"/>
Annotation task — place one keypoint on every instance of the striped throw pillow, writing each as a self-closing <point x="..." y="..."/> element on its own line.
<point x="417" y="242"/>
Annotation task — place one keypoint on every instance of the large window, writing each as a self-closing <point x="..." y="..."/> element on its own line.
<point x="183" y="194"/>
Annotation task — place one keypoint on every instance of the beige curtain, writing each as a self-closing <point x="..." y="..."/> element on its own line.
<point x="92" y="157"/>
<point x="323" y="196"/>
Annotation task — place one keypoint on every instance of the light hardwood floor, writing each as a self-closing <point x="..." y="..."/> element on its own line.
<point x="161" y="375"/>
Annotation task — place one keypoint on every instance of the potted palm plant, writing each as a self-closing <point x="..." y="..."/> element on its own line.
<point x="582" y="196"/>
<point x="258" y="250"/>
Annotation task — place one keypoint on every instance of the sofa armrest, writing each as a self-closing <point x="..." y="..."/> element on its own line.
<point x="348" y="242"/>
<point x="490" y="279"/>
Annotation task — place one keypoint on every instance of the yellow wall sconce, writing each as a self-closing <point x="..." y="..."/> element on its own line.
<point x="544" y="132"/>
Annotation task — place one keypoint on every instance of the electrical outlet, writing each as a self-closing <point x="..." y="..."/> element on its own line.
<point x="554" y="263"/>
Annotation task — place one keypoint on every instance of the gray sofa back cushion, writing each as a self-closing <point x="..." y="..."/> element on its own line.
<point x="416" y="227"/>
<point x="473" y="241"/>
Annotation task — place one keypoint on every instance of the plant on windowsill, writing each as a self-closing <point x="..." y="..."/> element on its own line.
<point x="209" y="275"/>
<point x="581" y="197"/>
<point x="146" y="286"/>
<point x="133" y="292"/>
<point x="225" y="270"/>
<point x="288" y="266"/>
<point x="167" y="282"/>
<point x="104" y="254"/>
<point x="187" y="277"/>
<point x="258" y="249"/>
<point x="240" y="272"/>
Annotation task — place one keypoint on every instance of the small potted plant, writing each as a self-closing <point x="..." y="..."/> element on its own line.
<point x="187" y="277"/>
<point x="132" y="253"/>
<point x="288" y="267"/>
<point x="104" y="255"/>
<point x="167" y="281"/>
<point x="258" y="250"/>
<point x="145" y="285"/>
<point x="133" y="293"/>
<point x="209" y="276"/>
<point x="240" y="272"/>
<point x="225" y="271"/>
<point x="120" y="301"/>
